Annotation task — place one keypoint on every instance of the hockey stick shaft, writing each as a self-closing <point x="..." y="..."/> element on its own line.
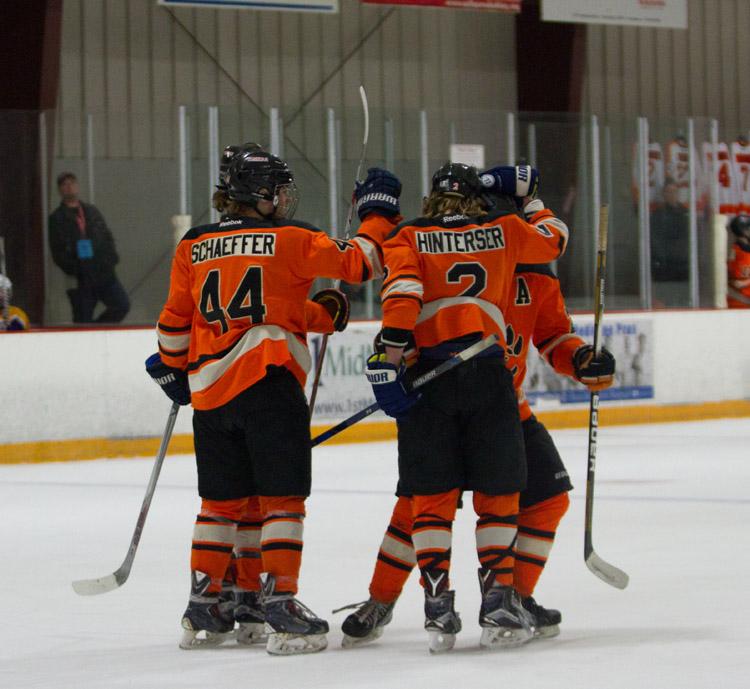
<point x="6" y="302"/>
<point x="606" y="572"/>
<point x="347" y="231"/>
<point x="465" y="355"/>
<point x="92" y="587"/>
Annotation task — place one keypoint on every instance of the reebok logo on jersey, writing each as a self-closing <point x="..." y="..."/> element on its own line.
<point x="466" y="242"/>
<point x="260" y="244"/>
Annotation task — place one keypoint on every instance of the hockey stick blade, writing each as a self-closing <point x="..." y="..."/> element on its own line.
<point x="609" y="574"/>
<point x="93" y="587"/>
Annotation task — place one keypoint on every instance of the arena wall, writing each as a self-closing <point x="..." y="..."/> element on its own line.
<point x="80" y="394"/>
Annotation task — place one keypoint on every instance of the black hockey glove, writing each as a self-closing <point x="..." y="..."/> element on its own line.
<point x="595" y="372"/>
<point x="378" y="193"/>
<point x="172" y="381"/>
<point x="337" y="304"/>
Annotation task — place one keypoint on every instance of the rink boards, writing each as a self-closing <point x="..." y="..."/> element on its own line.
<point x="85" y="394"/>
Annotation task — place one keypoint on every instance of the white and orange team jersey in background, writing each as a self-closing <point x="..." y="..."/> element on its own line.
<point x="677" y="166"/>
<point x="740" y="157"/>
<point x="238" y="300"/>
<point x="727" y="200"/>
<point x="537" y="313"/>
<point x="655" y="175"/>
<point x="452" y="276"/>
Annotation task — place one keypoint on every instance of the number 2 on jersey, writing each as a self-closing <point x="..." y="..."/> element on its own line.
<point x="475" y="271"/>
<point x="247" y="301"/>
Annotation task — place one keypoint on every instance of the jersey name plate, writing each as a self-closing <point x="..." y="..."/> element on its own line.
<point x="233" y="245"/>
<point x="465" y="242"/>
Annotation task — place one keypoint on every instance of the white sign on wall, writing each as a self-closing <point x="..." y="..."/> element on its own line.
<point x="468" y="154"/>
<point x="666" y="14"/>
<point x="631" y="341"/>
<point x="279" y="5"/>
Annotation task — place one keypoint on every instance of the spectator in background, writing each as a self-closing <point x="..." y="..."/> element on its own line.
<point x="670" y="250"/>
<point x="738" y="266"/>
<point x="83" y="247"/>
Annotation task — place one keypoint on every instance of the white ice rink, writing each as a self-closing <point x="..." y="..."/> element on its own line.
<point x="672" y="510"/>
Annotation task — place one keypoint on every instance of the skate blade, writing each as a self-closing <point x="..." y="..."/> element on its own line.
<point x="191" y="640"/>
<point x="504" y="637"/>
<point x="440" y="642"/>
<point x="352" y="641"/>
<point x="251" y="633"/>
<point x="546" y="632"/>
<point x="284" y="644"/>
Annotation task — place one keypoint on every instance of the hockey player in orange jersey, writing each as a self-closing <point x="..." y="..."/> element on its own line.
<point x="447" y="284"/>
<point x="738" y="266"/>
<point x="232" y="343"/>
<point x="536" y="310"/>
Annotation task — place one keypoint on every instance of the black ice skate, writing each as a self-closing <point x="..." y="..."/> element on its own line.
<point x="248" y="613"/>
<point x="504" y="621"/>
<point x="442" y="622"/>
<point x="546" y="620"/>
<point x="205" y="623"/>
<point x="291" y="626"/>
<point x="366" y="623"/>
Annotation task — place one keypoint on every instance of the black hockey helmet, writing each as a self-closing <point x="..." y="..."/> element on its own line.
<point x="227" y="156"/>
<point x="457" y="179"/>
<point x="256" y="175"/>
<point x="740" y="227"/>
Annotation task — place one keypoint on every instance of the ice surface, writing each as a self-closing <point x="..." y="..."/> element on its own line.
<point x="672" y="510"/>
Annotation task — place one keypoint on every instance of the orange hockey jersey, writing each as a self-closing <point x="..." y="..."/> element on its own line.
<point x="738" y="266"/>
<point x="238" y="300"/>
<point x="450" y="277"/>
<point x="537" y="314"/>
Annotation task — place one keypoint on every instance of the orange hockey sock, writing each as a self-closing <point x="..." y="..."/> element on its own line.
<point x="496" y="533"/>
<point x="213" y="539"/>
<point x="281" y="539"/>
<point x="432" y="531"/>
<point x="537" y="525"/>
<point x="248" y="564"/>
<point x="396" y="557"/>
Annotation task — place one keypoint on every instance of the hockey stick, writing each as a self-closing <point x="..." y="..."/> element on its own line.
<point x="92" y="587"/>
<point x="6" y="302"/>
<point x="418" y="382"/>
<point x="347" y="230"/>
<point x="605" y="571"/>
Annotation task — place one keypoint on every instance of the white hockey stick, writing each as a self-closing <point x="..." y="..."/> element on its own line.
<point x="93" y="587"/>
<point x="347" y="230"/>
<point x="6" y="302"/>
<point x="605" y="571"/>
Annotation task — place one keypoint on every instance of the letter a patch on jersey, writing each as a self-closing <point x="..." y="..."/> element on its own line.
<point x="523" y="295"/>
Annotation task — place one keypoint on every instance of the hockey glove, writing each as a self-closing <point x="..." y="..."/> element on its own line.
<point x="518" y="181"/>
<point x="378" y="193"/>
<point x="337" y="304"/>
<point x="387" y="382"/>
<point x="172" y="381"/>
<point x="595" y="372"/>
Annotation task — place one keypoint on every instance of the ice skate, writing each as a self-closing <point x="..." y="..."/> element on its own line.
<point x="248" y="613"/>
<point x="205" y="623"/>
<point x="504" y="621"/>
<point x="292" y="627"/>
<point x="442" y="622"/>
<point x="366" y="623"/>
<point x="546" y="620"/>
